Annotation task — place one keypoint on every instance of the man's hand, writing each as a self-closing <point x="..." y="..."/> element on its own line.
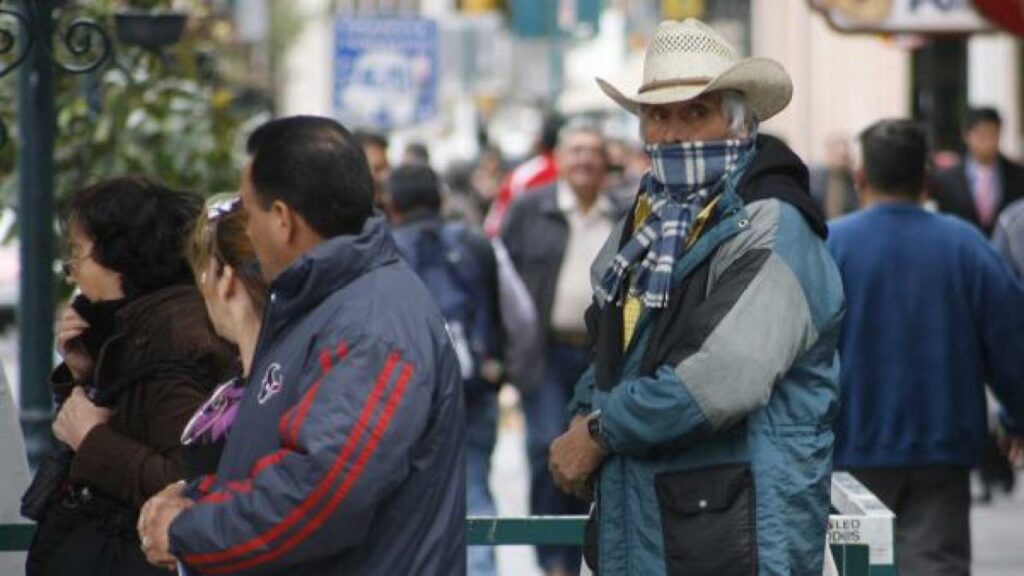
<point x="70" y="327"/>
<point x="155" y="523"/>
<point x="574" y="457"/>
<point x="77" y="417"/>
<point x="1012" y="446"/>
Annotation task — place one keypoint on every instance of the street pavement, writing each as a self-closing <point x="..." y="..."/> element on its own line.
<point x="998" y="535"/>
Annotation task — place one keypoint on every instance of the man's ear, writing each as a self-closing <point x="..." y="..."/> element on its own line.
<point x="860" y="179"/>
<point x="283" y="218"/>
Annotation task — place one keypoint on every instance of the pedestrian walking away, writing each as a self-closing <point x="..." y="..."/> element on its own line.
<point x="934" y="317"/>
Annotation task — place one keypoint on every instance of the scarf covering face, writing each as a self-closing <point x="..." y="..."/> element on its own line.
<point x="683" y="178"/>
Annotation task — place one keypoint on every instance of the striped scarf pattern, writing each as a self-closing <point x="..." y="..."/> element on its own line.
<point x="683" y="178"/>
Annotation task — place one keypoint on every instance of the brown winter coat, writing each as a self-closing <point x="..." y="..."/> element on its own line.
<point x="166" y="353"/>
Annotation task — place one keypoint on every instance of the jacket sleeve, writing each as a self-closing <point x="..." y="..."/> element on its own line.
<point x="998" y="300"/>
<point x="345" y="446"/>
<point x="1009" y="243"/>
<point x="519" y="322"/>
<point x="583" y="394"/>
<point x="131" y="470"/>
<point x="741" y="340"/>
<point x="512" y="234"/>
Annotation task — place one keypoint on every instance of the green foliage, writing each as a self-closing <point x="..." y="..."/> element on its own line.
<point x="172" y="116"/>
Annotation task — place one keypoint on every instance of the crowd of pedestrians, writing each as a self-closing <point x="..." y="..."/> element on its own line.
<point x="302" y="377"/>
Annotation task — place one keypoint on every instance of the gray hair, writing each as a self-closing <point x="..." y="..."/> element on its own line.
<point x="741" y="118"/>
<point x="579" y="125"/>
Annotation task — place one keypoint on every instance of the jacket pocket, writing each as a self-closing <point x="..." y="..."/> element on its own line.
<point x="708" y="521"/>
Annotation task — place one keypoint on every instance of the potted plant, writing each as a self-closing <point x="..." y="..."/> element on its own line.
<point x="149" y="24"/>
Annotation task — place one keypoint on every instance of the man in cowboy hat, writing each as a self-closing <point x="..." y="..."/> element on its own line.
<point x="704" y="425"/>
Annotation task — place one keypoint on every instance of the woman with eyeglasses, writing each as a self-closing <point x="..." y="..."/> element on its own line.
<point x="139" y="357"/>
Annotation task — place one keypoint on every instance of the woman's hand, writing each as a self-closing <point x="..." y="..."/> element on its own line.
<point x="77" y="417"/>
<point x="70" y="327"/>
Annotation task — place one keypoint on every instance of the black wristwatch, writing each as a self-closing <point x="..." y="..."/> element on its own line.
<point x="594" y="429"/>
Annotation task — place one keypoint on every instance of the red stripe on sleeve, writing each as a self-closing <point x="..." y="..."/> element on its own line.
<point x="325" y="361"/>
<point x="292" y="439"/>
<point x="268" y="461"/>
<point x="313" y="499"/>
<point x="350" y="480"/>
<point x="207" y="482"/>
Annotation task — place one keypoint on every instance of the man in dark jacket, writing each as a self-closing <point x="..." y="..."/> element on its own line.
<point x="985" y="182"/>
<point x="552" y="236"/>
<point x="348" y="445"/>
<point x="459" y="267"/>
<point x="934" y="315"/>
<point x="704" y="425"/>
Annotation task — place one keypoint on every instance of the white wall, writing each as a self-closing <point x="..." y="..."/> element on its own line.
<point x="307" y="77"/>
<point x="994" y="80"/>
<point x="841" y="83"/>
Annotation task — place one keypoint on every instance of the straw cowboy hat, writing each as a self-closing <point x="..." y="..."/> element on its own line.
<point x="689" y="58"/>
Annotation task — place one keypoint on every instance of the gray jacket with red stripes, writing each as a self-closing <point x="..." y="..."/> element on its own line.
<point x="346" y="456"/>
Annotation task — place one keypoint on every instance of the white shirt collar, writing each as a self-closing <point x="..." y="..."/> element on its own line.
<point x="568" y="203"/>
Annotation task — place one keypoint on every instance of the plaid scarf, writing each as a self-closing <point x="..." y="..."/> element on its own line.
<point x="683" y="178"/>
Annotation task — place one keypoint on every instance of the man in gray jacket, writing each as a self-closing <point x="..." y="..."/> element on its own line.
<point x="349" y="443"/>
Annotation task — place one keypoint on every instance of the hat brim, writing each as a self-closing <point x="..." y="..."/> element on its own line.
<point x="765" y="84"/>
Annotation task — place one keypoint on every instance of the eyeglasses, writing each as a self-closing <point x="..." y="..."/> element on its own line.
<point x="69" y="265"/>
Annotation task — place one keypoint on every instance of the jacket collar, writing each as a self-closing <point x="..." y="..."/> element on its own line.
<point x="140" y="306"/>
<point x="331" y="266"/>
<point x="776" y="172"/>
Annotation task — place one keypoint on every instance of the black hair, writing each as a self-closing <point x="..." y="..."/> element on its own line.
<point x="414" y="187"/>
<point x="418" y="151"/>
<point x="138" y="228"/>
<point x="549" y="130"/>
<point x="317" y="168"/>
<point x="981" y="115"/>
<point x="895" y="157"/>
<point x="370" y="138"/>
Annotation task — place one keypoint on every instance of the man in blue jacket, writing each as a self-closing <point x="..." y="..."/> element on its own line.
<point x="704" y="424"/>
<point x="346" y="456"/>
<point x="933" y="315"/>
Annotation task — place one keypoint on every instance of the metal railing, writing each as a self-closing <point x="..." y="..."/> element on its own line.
<point x="860" y="531"/>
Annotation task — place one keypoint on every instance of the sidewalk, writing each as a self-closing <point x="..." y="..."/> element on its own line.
<point x="998" y="535"/>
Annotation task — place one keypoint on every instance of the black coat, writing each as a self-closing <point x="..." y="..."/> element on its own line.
<point x="953" y="191"/>
<point x="535" y="233"/>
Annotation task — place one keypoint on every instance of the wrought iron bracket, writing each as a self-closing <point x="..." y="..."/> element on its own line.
<point x="87" y="43"/>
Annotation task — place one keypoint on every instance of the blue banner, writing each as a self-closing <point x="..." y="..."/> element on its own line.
<point x="385" y="71"/>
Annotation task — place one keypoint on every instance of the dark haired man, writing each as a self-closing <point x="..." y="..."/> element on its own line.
<point x="983" y="184"/>
<point x="375" y="146"/>
<point x="459" y="267"/>
<point x="933" y="315"/>
<point x="348" y="445"/>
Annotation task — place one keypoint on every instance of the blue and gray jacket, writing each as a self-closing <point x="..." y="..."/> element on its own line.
<point x="718" y="413"/>
<point x="346" y="456"/>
